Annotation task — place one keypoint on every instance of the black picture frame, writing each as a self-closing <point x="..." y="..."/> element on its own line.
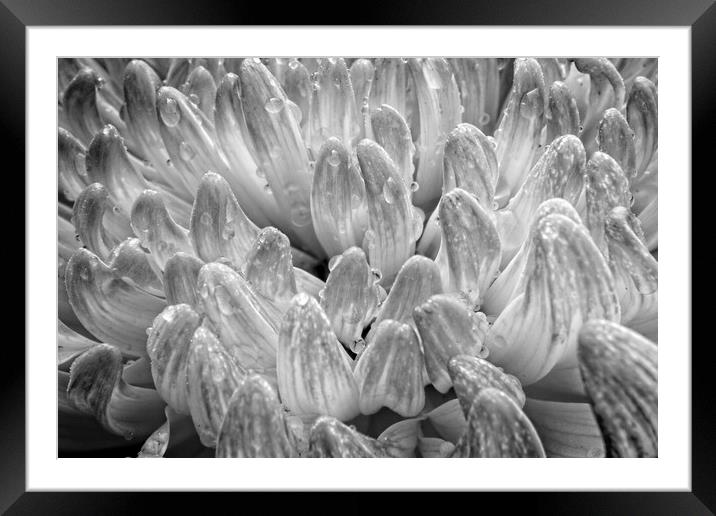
<point x="700" y="15"/>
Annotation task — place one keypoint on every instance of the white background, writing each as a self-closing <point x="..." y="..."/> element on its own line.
<point x="670" y="471"/>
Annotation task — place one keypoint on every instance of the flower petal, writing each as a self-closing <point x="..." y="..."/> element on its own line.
<point x="269" y="268"/>
<point x="470" y="163"/>
<point x="362" y="75"/>
<point x="254" y="424"/>
<point x="109" y="307"/>
<point x="131" y="263"/>
<point x="351" y="297"/>
<point x="181" y="273"/>
<point x="566" y="429"/>
<point x="390" y="241"/>
<point x="518" y="134"/>
<point x="389" y="84"/>
<point x="156" y="229"/>
<point x="333" y="109"/>
<point x="80" y="105"/>
<point x="389" y="371"/>
<point x="314" y="373"/>
<point x="566" y="281"/>
<point x="279" y="150"/>
<point x="448" y="420"/>
<point x="642" y="115"/>
<point x="70" y="345"/>
<point x="439" y="106"/>
<point x="649" y="221"/>
<point x="418" y="279"/>
<point x="479" y="84"/>
<point x="616" y="138"/>
<point x="619" y="368"/>
<point x="71" y="165"/>
<point x="448" y="328"/>
<point x="329" y="438"/>
<point x="391" y="131"/>
<point x="242" y="320"/>
<point x="200" y="89"/>
<point x="558" y="173"/>
<point x="497" y="428"/>
<point x="212" y="378"/>
<point x="337" y="199"/>
<point x="563" y="115"/>
<point x="96" y="387"/>
<point x="470" y="248"/>
<point x="299" y="90"/>
<point x="168" y="347"/>
<point x="471" y="374"/>
<point x="97" y="224"/>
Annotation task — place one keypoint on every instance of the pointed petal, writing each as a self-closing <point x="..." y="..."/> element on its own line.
<point x="362" y="75"/>
<point x="71" y="166"/>
<point x="269" y="268"/>
<point x="333" y="109"/>
<point x="470" y="375"/>
<point x="518" y="134"/>
<point x="616" y="138"/>
<point x="181" y="273"/>
<point x="389" y="371"/>
<point x="242" y="320"/>
<point x="563" y="115"/>
<point x="141" y="84"/>
<point x="635" y="270"/>
<point x="279" y="149"/>
<point x="156" y="229"/>
<point x="314" y="373"/>
<point x="96" y="388"/>
<point x="566" y="281"/>
<point x="606" y="187"/>
<point x="642" y="115"/>
<point x="649" y="221"/>
<point x="329" y="438"/>
<point x="80" y="105"/>
<point x="552" y="69"/>
<point x="351" y="297"/>
<point x="109" y="307"/>
<point x="97" y="224"/>
<point x="504" y="288"/>
<point x="70" y="345"/>
<point x="470" y="164"/>
<point x="299" y="90"/>
<point x="479" y="84"/>
<point x="392" y="234"/>
<point x="566" y="429"/>
<point x="439" y="106"/>
<point x="418" y="279"/>
<point x="448" y="328"/>
<point x="558" y="173"/>
<point x="254" y="425"/>
<point x="219" y="227"/>
<point x="247" y="180"/>
<point x="435" y="448"/>
<point x="497" y="428"/>
<point x="337" y="199"/>
<point x="470" y="248"/>
<point x="131" y="263"/>
<point x="391" y="131"/>
<point x="448" y="420"/>
<point x="619" y="368"/>
<point x="606" y="90"/>
<point x="200" y="89"/>
<point x="212" y="378"/>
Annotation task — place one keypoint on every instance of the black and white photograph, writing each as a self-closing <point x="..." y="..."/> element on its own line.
<point x="357" y="257"/>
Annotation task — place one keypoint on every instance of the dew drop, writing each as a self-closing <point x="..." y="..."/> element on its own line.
<point x="267" y="189"/>
<point x="333" y="262"/>
<point x="186" y="151"/>
<point x="334" y="159"/>
<point x="300" y="216"/>
<point x="414" y="186"/>
<point x="389" y="191"/>
<point x="495" y="205"/>
<point x="148" y="331"/>
<point x="418" y="221"/>
<point x="228" y="232"/>
<point x="223" y="300"/>
<point x="355" y="200"/>
<point x="358" y="346"/>
<point x="484" y="119"/>
<point x="376" y="272"/>
<point x="293" y="64"/>
<point x="169" y="112"/>
<point x="274" y="105"/>
<point x="194" y="98"/>
<point x="260" y="172"/>
<point x="169" y="163"/>
<point x="123" y="113"/>
<point x="84" y="274"/>
<point x="484" y="352"/>
<point x="206" y="218"/>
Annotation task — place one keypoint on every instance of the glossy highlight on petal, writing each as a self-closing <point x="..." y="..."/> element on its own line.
<point x="269" y="268"/>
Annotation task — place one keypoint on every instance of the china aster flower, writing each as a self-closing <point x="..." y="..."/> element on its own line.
<point x="358" y="257"/>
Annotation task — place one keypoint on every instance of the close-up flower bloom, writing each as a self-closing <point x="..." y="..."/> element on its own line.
<point x="384" y="257"/>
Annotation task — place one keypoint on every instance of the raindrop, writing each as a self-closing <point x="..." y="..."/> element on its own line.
<point x="227" y="232"/>
<point x="84" y="274"/>
<point x="418" y="220"/>
<point x="223" y="300"/>
<point x="355" y="200"/>
<point x="274" y="105"/>
<point x="334" y="159"/>
<point x="186" y="151"/>
<point x="169" y="111"/>
<point x="376" y="272"/>
<point x="169" y="163"/>
<point x="414" y="186"/>
<point x="77" y="237"/>
<point x="260" y="172"/>
<point x="206" y="218"/>
<point x="148" y="331"/>
<point x="293" y="64"/>
<point x="123" y="113"/>
<point x="495" y="205"/>
<point x="484" y="352"/>
<point x="484" y="119"/>
<point x="359" y="346"/>
<point x="300" y="216"/>
<point x="194" y="98"/>
<point x="267" y="189"/>
<point x="389" y="188"/>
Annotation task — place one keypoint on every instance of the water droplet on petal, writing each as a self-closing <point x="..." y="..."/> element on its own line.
<point x="484" y="119"/>
<point x="194" y="98"/>
<point x="414" y="186"/>
<point x="260" y="172"/>
<point x="389" y="191"/>
<point x="267" y="189"/>
<point x="169" y="112"/>
<point x="333" y="262"/>
<point x="376" y="272"/>
<point x="334" y="159"/>
<point x="206" y="219"/>
<point x="223" y="300"/>
<point x="227" y="232"/>
<point x="293" y="64"/>
<point x="300" y="215"/>
<point x="274" y="105"/>
<point x="80" y="164"/>
<point x="186" y="151"/>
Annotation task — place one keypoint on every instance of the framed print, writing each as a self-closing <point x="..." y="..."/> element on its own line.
<point x="436" y="237"/>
